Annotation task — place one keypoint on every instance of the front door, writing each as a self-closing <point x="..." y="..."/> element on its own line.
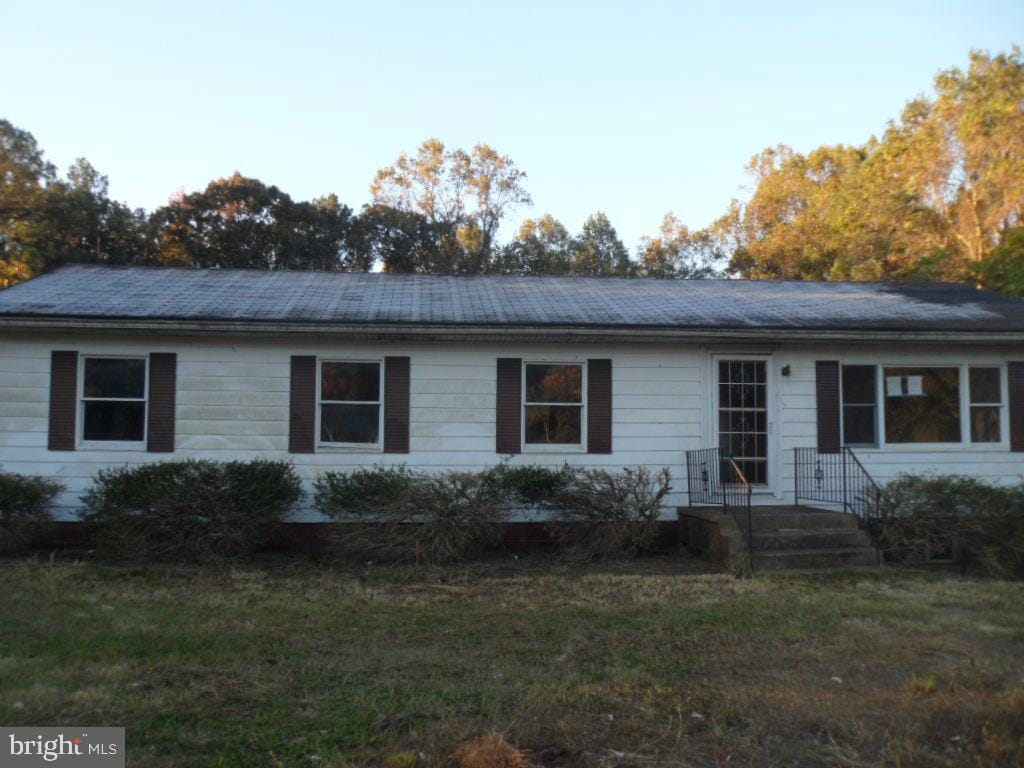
<point x="742" y="414"/>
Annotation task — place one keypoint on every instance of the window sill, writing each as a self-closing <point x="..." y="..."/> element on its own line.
<point x="929" y="448"/>
<point x="112" y="445"/>
<point x="553" y="448"/>
<point x="349" y="448"/>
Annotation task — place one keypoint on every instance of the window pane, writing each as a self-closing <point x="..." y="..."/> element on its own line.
<point x="985" y="424"/>
<point x="349" y="423"/>
<point x="859" y="384"/>
<point x="350" y="381"/>
<point x="756" y="471"/>
<point x="859" y="425"/>
<point x="113" y="420"/>
<point x="922" y="405"/>
<point x="553" y="424"/>
<point x="985" y="385"/>
<point x="114" y="377"/>
<point x="554" y="383"/>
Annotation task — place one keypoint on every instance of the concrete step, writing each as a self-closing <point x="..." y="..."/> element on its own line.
<point x="810" y="538"/>
<point x="839" y="557"/>
<point x="762" y="520"/>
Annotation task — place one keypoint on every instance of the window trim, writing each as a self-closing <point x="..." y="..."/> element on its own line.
<point x="966" y="404"/>
<point x="375" y="447"/>
<point x="965" y="443"/>
<point x="80" y="398"/>
<point x="581" y="446"/>
<point x="842" y="406"/>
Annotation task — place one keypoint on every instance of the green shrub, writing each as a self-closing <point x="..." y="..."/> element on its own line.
<point x="602" y="513"/>
<point x="190" y="510"/>
<point x="529" y="484"/>
<point x="406" y="516"/>
<point x="954" y="517"/>
<point x="340" y="494"/>
<point x="25" y="516"/>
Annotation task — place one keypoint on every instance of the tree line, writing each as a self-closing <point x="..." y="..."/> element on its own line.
<point x="939" y="195"/>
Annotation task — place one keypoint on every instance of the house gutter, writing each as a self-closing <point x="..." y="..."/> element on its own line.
<point x="465" y="333"/>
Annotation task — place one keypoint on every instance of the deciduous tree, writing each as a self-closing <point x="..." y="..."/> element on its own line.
<point x="464" y="196"/>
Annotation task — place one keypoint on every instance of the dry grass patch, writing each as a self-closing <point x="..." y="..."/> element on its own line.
<point x="636" y="663"/>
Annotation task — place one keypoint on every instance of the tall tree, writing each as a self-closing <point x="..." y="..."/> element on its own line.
<point x="677" y="252"/>
<point x="464" y="196"/>
<point x="399" y="241"/>
<point x="543" y="246"/>
<point x="933" y="197"/>
<point x="598" y="251"/>
<point x="242" y="222"/>
<point x="46" y="220"/>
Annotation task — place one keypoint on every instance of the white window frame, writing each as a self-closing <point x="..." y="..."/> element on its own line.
<point x="965" y="443"/>
<point x="579" y="447"/>
<point x="110" y="445"/>
<point x="376" y="447"/>
<point x="877" y="406"/>
<point x="966" y="404"/>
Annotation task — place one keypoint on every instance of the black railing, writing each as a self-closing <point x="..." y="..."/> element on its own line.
<point x="836" y="478"/>
<point x="703" y="477"/>
<point x="716" y="480"/>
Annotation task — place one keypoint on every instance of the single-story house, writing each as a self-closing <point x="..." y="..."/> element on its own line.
<point x="104" y="366"/>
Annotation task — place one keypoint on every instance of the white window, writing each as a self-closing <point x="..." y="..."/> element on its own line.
<point x="113" y="399"/>
<point x="923" y="405"/>
<point x="553" y="404"/>
<point x="986" y="404"/>
<point x="350" y="402"/>
<point x="860" y="410"/>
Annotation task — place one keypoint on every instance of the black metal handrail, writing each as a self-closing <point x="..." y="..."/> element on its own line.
<point x="736" y="492"/>
<point x="836" y="478"/>
<point x="716" y="480"/>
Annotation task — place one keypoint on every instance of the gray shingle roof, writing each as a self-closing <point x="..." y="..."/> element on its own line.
<point x="144" y="293"/>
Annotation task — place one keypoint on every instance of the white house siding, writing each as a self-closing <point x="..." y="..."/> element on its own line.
<point x="799" y="416"/>
<point x="232" y="403"/>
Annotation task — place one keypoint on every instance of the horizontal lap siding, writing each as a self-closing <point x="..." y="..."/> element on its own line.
<point x="798" y="415"/>
<point x="233" y="403"/>
<point x="233" y="398"/>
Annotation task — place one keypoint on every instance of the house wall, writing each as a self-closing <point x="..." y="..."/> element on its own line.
<point x="232" y="403"/>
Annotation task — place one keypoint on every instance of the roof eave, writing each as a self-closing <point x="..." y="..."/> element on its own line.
<point x="424" y="332"/>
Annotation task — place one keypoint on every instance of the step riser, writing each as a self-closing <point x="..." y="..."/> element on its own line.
<point x="808" y="520"/>
<point x="795" y="559"/>
<point x="810" y="539"/>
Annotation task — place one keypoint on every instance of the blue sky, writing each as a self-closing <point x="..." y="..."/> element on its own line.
<point x="635" y="108"/>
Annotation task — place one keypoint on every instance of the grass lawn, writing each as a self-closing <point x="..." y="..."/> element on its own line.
<point x="645" y="663"/>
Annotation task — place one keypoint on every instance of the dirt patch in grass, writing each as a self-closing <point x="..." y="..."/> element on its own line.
<point x="651" y="662"/>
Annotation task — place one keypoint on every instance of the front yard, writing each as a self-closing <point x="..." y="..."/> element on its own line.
<point x="643" y="663"/>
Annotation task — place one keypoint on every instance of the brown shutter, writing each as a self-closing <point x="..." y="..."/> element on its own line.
<point x="827" y="378"/>
<point x="396" y="404"/>
<point x="63" y="400"/>
<point x="508" y="437"/>
<point x="163" y="368"/>
<point x="599" y="406"/>
<point x="302" y="417"/>
<point x="1015" y="380"/>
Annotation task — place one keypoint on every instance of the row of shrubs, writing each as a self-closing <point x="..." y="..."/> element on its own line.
<point x="204" y="510"/>
<point x="975" y="524"/>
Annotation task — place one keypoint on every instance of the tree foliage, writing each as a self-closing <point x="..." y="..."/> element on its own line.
<point x="241" y="222"/>
<point x="545" y="247"/>
<point x="935" y="197"/>
<point x="939" y="195"/>
<point x="464" y="196"/>
<point x="47" y="220"/>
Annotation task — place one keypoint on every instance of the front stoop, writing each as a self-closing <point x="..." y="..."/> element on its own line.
<point x="786" y="538"/>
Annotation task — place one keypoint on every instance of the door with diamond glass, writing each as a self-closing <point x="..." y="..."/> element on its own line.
<point x="742" y="414"/>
